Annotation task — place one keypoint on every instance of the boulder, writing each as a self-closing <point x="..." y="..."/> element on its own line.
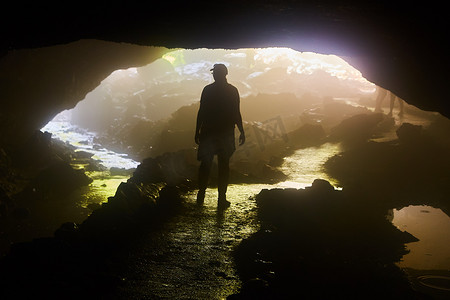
<point x="58" y="179"/>
<point x="409" y="133"/>
<point x="169" y="197"/>
<point x="317" y="238"/>
<point x="356" y="129"/>
<point x="321" y="186"/>
<point x="149" y="171"/>
<point x="130" y="196"/>
<point x="307" y="135"/>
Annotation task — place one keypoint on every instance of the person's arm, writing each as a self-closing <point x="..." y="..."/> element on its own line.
<point x="241" y="129"/>
<point x="239" y="121"/>
<point x="199" y="124"/>
<point x="198" y="127"/>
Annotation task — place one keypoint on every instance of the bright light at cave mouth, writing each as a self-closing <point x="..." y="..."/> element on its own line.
<point x="155" y="91"/>
<point x="293" y="61"/>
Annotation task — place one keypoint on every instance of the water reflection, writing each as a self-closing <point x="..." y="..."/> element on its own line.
<point x="82" y="139"/>
<point x="104" y="184"/>
<point x="305" y="165"/>
<point x="302" y="168"/>
<point x="432" y="227"/>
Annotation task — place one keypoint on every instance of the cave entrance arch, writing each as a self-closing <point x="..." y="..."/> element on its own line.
<point x="133" y="106"/>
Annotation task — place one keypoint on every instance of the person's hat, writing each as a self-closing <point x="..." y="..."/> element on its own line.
<point x="220" y="68"/>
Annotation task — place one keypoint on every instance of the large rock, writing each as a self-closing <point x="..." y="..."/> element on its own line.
<point x="307" y="135"/>
<point x="173" y="168"/>
<point x="57" y="180"/>
<point x="314" y="239"/>
<point x="409" y="133"/>
<point x="356" y="129"/>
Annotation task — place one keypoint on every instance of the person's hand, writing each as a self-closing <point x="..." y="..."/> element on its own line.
<point x="241" y="139"/>
<point x="197" y="138"/>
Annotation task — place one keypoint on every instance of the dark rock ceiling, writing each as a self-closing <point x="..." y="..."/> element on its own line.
<point x="399" y="45"/>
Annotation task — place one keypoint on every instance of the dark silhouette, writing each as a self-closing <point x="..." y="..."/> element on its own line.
<point x="379" y="100"/>
<point x="391" y="105"/>
<point x="217" y="116"/>
<point x="380" y="97"/>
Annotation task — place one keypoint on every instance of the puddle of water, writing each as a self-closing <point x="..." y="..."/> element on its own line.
<point x="432" y="227"/>
<point x="103" y="186"/>
<point x="428" y="224"/>
<point x="436" y="282"/>
<point x="302" y="168"/>
<point x="305" y="165"/>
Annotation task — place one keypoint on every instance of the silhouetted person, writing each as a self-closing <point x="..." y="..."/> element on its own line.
<point x="217" y="116"/>
<point x="391" y="107"/>
<point x="380" y="98"/>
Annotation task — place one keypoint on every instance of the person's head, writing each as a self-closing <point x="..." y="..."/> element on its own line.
<point x="219" y="72"/>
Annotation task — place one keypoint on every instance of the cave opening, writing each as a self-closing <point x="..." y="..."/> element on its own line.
<point x="307" y="116"/>
<point x="150" y="110"/>
<point x="139" y="234"/>
<point x="151" y="94"/>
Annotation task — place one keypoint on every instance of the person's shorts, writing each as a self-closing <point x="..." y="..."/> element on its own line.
<point x="211" y="146"/>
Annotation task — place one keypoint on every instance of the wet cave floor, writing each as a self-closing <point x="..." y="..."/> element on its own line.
<point x="191" y="256"/>
<point x="202" y="252"/>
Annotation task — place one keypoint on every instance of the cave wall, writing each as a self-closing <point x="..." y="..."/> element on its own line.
<point x="39" y="83"/>
<point x="400" y="46"/>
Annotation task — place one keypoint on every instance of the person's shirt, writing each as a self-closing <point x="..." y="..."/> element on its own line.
<point x="219" y="109"/>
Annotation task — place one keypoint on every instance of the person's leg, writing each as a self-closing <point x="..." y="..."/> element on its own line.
<point x="203" y="177"/>
<point x="223" y="161"/>
<point x="391" y="104"/>
<point x="379" y="100"/>
<point x="400" y="102"/>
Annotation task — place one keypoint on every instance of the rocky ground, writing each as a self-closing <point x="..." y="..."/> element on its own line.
<point x="150" y="240"/>
<point x="320" y="243"/>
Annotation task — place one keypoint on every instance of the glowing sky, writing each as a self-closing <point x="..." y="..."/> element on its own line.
<point x="291" y="60"/>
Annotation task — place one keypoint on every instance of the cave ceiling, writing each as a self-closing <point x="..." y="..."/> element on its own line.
<point x="398" y="45"/>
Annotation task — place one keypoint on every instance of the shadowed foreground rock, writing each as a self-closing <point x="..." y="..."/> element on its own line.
<point x="320" y="243"/>
<point x="81" y="260"/>
<point x="356" y="129"/>
<point x="415" y="169"/>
